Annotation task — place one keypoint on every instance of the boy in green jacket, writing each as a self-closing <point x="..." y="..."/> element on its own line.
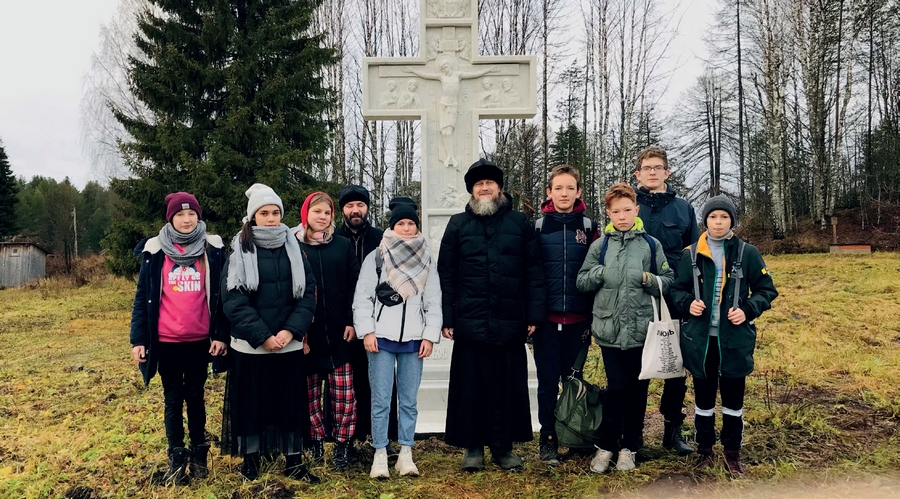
<point x="619" y="270"/>
<point x="718" y="335"/>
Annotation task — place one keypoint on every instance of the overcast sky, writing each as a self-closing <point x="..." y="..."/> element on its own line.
<point x="45" y="49"/>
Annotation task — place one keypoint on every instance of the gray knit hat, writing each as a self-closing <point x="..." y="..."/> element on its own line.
<point x="258" y="196"/>
<point x="720" y="202"/>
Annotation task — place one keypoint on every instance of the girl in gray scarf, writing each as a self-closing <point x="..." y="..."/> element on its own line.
<point x="269" y="298"/>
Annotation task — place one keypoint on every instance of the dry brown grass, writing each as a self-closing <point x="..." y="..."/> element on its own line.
<point x="823" y="402"/>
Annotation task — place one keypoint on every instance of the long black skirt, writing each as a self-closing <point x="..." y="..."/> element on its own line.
<point x="266" y="404"/>
<point x="488" y="400"/>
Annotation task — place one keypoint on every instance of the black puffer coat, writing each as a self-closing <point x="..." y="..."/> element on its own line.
<point x="256" y="315"/>
<point x="492" y="278"/>
<point x="670" y="219"/>
<point x="336" y="269"/>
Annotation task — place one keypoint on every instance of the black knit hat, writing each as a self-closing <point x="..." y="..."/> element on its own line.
<point x="483" y="170"/>
<point x="353" y="193"/>
<point x="720" y="202"/>
<point x="403" y="208"/>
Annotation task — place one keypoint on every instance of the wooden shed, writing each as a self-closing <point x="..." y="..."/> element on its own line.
<point x="21" y="262"/>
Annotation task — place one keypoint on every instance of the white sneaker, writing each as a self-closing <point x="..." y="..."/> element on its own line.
<point x="600" y="462"/>
<point x="625" y="461"/>
<point x="405" y="465"/>
<point x="380" y="465"/>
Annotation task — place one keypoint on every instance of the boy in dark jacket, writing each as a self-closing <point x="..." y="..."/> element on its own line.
<point x="717" y="337"/>
<point x="565" y="234"/>
<point x="672" y="221"/>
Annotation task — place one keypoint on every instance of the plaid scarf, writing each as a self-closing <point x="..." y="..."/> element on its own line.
<point x="406" y="263"/>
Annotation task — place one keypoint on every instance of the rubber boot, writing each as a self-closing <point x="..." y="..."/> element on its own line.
<point x="178" y="460"/>
<point x="198" y="464"/>
<point x="506" y="460"/>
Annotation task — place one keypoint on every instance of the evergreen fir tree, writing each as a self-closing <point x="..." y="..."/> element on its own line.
<point x="236" y="95"/>
<point x="8" y="197"/>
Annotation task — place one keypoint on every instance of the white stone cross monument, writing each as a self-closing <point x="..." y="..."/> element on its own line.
<point x="449" y="88"/>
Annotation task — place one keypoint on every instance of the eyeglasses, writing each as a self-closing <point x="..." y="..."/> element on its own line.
<point x="653" y="168"/>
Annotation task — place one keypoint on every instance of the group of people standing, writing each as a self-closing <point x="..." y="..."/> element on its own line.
<point x="324" y="329"/>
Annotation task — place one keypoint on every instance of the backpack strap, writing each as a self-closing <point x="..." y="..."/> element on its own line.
<point x="379" y="262"/>
<point x="696" y="272"/>
<point x="652" y="242"/>
<point x="578" y="365"/>
<point x="603" y="247"/>
<point x="737" y="273"/>
<point x="538" y="224"/>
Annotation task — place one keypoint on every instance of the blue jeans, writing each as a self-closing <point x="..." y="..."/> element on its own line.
<point x="381" y="380"/>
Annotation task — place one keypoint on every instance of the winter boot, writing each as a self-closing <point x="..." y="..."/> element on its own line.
<point x="672" y="439"/>
<point x="506" y="460"/>
<point x="474" y="459"/>
<point x="340" y="458"/>
<point x="250" y="466"/>
<point x="549" y="449"/>
<point x="178" y="460"/>
<point x="294" y="468"/>
<point x="405" y="465"/>
<point x="317" y="452"/>
<point x="380" y="465"/>
<point x="198" y="466"/>
<point x="705" y="458"/>
<point x="733" y="463"/>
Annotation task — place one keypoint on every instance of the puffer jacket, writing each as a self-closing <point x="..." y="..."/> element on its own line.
<point x="257" y="315"/>
<point x="492" y="279"/>
<point x="670" y="219"/>
<point x="564" y="244"/>
<point x="336" y="269"/>
<point x="145" y="311"/>
<point x="736" y="343"/>
<point x="622" y="307"/>
<point x="417" y="318"/>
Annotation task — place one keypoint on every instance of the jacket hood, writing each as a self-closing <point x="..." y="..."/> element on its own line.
<point x="547" y="206"/>
<point x="637" y="227"/>
<point x="650" y="198"/>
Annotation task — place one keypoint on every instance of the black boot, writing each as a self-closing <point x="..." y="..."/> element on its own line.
<point x="178" y="460"/>
<point x="317" y="452"/>
<point x="250" y="466"/>
<point x="549" y="449"/>
<point x="198" y="465"/>
<point x="295" y="469"/>
<point x="474" y="459"/>
<point x="506" y="460"/>
<point x="672" y="439"/>
<point x="340" y="458"/>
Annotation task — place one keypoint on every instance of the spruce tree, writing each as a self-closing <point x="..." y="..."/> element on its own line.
<point x="236" y="97"/>
<point x="8" y="197"/>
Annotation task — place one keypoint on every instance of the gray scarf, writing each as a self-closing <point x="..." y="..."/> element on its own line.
<point x="243" y="268"/>
<point x="193" y="243"/>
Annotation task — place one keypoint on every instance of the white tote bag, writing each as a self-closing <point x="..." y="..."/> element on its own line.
<point x="661" y="358"/>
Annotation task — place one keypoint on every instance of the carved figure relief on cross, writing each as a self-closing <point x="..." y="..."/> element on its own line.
<point x="450" y="88"/>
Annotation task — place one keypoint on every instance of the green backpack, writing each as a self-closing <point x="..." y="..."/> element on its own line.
<point x="579" y="409"/>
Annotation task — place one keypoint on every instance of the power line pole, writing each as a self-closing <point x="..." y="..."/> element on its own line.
<point x="75" y="229"/>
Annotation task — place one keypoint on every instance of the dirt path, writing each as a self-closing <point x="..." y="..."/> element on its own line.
<point x="806" y="487"/>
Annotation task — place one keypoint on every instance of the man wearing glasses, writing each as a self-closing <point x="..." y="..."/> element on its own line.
<point x="672" y="221"/>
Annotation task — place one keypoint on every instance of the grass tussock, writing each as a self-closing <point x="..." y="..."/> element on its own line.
<point x="75" y="420"/>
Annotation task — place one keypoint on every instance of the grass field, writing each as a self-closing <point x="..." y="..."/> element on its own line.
<point x="822" y="409"/>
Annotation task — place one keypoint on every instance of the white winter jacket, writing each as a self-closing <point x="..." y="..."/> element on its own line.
<point x="421" y="318"/>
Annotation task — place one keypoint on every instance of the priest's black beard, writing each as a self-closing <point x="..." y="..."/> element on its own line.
<point x="488" y="207"/>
